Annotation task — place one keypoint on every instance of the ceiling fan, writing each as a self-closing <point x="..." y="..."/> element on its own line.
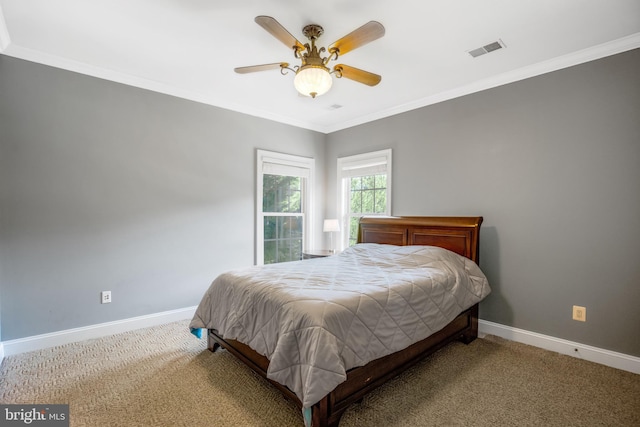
<point x="313" y="77"/>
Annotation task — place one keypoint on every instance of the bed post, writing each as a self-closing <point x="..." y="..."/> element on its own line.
<point x="320" y="414"/>
<point x="472" y="332"/>
<point x="212" y="344"/>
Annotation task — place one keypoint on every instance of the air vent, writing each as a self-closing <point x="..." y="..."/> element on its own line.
<point x="335" y="106"/>
<point x="487" y="48"/>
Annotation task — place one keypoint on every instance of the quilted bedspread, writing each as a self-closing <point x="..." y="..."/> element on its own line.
<point x="315" y="319"/>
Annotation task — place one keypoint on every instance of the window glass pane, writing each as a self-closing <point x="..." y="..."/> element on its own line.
<point x="368" y="182"/>
<point x="296" y="250"/>
<point x="282" y="228"/>
<point x="368" y="195"/>
<point x="281" y="193"/>
<point x="287" y="250"/>
<point x="282" y="238"/>
<point x="356" y="201"/>
<point x="270" y="254"/>
<point x="293" y="194"/>
<point x="269" y="193"/>
<point x="356" y="183"/>
<point x="295" y="204"/>
<point x="289" y="227"/>
<point x="367" y="201"/>
<point x="295" y="224"/>
<point x="381" y="201"/>
<point x="353" y="230"/>
<point x="269" y="227"/>
<point x="283" y="250"/>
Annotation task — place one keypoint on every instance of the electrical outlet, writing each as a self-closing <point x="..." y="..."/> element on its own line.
<point x="579" y="313"/>
<point x="105" y="297"/>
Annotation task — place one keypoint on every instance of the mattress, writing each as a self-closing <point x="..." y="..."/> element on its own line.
<point x="316" y="319"/>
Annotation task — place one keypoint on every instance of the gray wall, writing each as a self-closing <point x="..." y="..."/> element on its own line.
<point x="109" y="187"/>
<point x="105" y="186"/>
<point x="553" y="165"/>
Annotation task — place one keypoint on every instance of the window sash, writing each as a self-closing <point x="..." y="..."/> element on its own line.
<point x="272" y="163"/>
<point x="285" y="242"/>
<point x="374" y="163"/>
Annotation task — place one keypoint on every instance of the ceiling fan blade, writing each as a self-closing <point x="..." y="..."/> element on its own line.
<point x="369" y="32"/>
<point x="263" y="67"/>
<point x="357" y="74"/>
<point x="278" y="31"/>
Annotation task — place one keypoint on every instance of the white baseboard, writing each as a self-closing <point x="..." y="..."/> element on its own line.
<point x="37" y="342"/>
<point x="581" y="351"/>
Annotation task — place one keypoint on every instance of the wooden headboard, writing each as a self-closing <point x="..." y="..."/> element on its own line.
<point x="458" y="234"/>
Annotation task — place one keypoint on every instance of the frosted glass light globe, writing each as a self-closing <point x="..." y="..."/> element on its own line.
<point x="313" y="81"/>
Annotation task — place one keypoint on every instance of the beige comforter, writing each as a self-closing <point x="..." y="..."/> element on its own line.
<point x="317" y="318"/>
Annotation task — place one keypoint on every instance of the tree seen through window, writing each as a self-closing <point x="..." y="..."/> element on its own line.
<point x="283" y="220"/>
<point x="368" y="196"/>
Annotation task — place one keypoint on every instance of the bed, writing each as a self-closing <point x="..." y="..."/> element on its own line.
<point x="325" y="363"/>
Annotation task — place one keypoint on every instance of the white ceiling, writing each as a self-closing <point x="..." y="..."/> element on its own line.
<point x="189" y="48"/>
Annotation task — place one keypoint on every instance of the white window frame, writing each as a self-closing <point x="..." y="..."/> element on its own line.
<point x="373" y="163"/>
<point x="270" y="162"/>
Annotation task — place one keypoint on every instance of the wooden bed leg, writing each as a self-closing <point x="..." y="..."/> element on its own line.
<point x="471" y="333"/>
<point x="468" y="338"/>
<point x="212" y="344"/>
<point x="321" y="416"/>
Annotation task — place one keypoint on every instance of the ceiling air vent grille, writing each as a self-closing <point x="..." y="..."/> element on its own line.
<point x="487" y="48"/>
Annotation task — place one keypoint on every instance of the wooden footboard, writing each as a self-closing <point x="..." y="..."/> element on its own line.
<point x="361" y="380"/>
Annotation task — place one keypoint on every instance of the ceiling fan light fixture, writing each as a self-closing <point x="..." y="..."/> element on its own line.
<point x="312" y="76"/>
<point x="313" y="80"/>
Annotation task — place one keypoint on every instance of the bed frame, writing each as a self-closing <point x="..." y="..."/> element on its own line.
<point x="458" y="234"/>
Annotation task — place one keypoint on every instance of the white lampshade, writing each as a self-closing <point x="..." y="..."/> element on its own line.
<point x="313" y="81"/>
<point x="331" y="225"/>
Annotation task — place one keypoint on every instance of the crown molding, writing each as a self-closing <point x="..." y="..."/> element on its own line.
<point x="55" y="61"/>
<point x="575" y="58"/>
<point x="590" y="54"/>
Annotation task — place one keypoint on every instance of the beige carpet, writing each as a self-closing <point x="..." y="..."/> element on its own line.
<point x="163" y="376"/>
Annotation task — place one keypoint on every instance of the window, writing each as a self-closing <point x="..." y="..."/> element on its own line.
<point x="283" y="206"/>
<point x="364" y="183"/>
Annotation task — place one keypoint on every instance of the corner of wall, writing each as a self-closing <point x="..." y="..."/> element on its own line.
<point x="5" y="40"/>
